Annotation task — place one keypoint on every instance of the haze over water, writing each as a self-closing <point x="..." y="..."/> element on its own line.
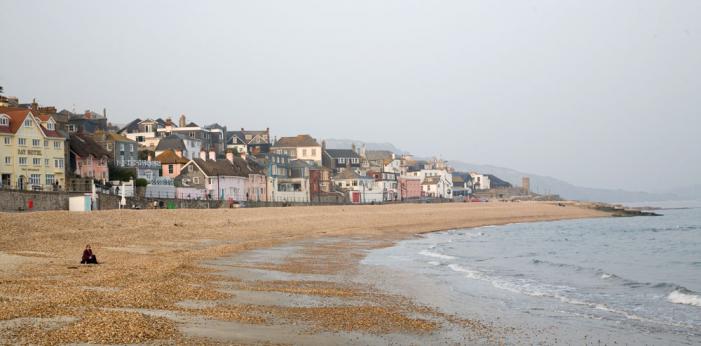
<point x="628" y="280"/>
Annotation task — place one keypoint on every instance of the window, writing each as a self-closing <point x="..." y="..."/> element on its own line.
<point x="50" y="180"/>
<point x="191" y="134"/>
<point x="8" y="160"/>
<point x="170" y="169"/>
<point x="131" y="147"/>
<point x="46" y="162"/>
<point x="36" y="142"/>
<point x="121" y="146"/>
<point x="210" y="181"/>
<point x="21" y="141"/>
<point x="46" y="143"/>
<point x="196" y="180"/>
<point x="57" y="145"/>
<point x="58" y="163"/>
<point x="50" y="125"/>
<point x="4" y="121"/>
<point x="23" y="161"/>
<point x="108" y="146"/>
<point x="304" y="152"/>
<point x="35" y="179"/>
<point x="36" y="161"/>
<point x="27" y="122"/>
<point x="140" y="139"/>
<point x="71" y="128"/>
<point x="8" y="140"/>
<point x="313" y="152"/>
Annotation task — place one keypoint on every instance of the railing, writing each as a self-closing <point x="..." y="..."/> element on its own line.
<point x="139" y="164"/>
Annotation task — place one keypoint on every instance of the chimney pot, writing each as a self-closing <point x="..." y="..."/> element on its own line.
<point x="203" y="154"/>
<point x="212" y="154"/>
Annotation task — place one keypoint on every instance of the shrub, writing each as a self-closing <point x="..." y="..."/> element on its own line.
<point x="141" y="182"/>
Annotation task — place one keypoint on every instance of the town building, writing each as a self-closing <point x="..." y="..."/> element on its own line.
<point x="437" y="186"/>
<point x="339" y="159"/>
<point x="121" y="148"/>
<point x="388" y="182"/>
<point x="88" y="159"/>
<point x="480" y="181"/>
<point x="359" y="189"/>
<point x="31" y="150"/>
<point x="143" y="132"/>
<point x="183" y="146"/>
<point x="208" y="178"/>
<point x="250" y="142"/>
<point x="301" y="147"/>
<point x="171" y="163"/>
<point x="409" y="188"/>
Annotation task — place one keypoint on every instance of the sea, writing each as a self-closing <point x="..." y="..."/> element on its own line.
<point x="618" y="280"/>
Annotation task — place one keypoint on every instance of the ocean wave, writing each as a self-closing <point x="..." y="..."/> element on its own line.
<point x="684" y="296"/>
<point x="436" y="255"/>
<point x="470" y="273"/>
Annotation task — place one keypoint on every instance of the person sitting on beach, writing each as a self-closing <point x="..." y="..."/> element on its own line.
<point x="88" y="257"/>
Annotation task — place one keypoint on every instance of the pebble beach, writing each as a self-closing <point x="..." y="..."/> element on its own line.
<point x="230" y="276"/>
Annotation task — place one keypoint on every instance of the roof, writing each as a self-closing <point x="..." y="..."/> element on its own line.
<point x="17" y="117"/>
<point x="169" y="157"/>
<point x="241" y="135"/>
<point x="191" y="124"/>
<point x="347" y="174"/>
<point x="118" y="138"/>
<point x="339" y="153"/>
<point x="432" y="180"/>
<point x="495" y="182"/>
<point x="173" y="142"/>
<point x="85" y="146"/>
<point x="132" y="126"/>
<point x="377" y="155"/>
<point x="239" y="167"/>
<point x="297" y="141"/>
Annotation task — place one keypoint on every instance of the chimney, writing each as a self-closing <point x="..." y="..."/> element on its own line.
<point x="212" y="154"/>
<point x="104" y="113"/>
<point x="35" y="105"/>
<point x="203" y="154"/>
<point x="149" y="157"/>
<point x="88" y="115"/>
<point x="244" y="154"/>
<point x="230" y="156"/>
<point x="354" y="148"/>
<point x="181" y="121"/>
<point x="179" y="153"/>
<point x="323" y="146"/>
<point x="362" y="150"/>
<point x="242" y="129"/>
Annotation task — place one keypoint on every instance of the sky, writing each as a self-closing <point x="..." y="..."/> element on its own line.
<point x="598" y="93"/>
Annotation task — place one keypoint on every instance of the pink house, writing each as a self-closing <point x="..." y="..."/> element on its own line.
<point x="171" y="163"/>
<point x="409" y="188"/>
<point x="88" y="158"/>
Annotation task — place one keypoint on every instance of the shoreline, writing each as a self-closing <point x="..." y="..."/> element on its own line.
<point x="151" y="267"/>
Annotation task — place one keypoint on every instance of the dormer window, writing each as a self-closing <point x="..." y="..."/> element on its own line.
<point x="4" y="121"/>
<point x="28" y="122"/>
<point x="51" y="126"/>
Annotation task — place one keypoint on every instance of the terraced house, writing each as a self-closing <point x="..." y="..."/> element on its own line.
<point x="31" y="151"/>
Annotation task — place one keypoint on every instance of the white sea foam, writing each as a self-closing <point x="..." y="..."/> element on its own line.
<point x="606" y="276"/>
<point x="472" y="274"/>
<point x="434" y="263"/>
<point x="684" y="297"/>
<point x="435" y="255"/>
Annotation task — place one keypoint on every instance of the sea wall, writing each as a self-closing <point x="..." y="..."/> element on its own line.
<point x="12" y="200"/>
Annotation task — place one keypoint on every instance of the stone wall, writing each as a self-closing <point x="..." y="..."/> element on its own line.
<point x="106" y="202"/>
<point x="19" y="200"/>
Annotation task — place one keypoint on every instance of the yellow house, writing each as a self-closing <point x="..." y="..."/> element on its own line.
<point x="32" y="155"/>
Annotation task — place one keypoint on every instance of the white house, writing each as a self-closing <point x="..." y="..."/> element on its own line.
<point x="437" y="186"/>
<point x="480" y="181"/>
<point x="360" y="189"/>
<point x="214" y="179"/>
<point x="301" y="147"/>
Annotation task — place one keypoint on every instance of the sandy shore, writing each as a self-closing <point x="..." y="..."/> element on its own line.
<point x="187" y="276"/>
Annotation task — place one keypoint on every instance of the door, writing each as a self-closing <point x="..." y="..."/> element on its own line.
<point x="21" y="182"/>
<point x="6" y="180"/>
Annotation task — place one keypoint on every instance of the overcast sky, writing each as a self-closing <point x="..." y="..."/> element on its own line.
<point x="598" y="93"/>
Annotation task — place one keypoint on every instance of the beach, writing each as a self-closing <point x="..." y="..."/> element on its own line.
<point x="249" y="275"/>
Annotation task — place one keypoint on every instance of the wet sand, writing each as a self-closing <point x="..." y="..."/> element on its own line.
<point x="269" y="275"/>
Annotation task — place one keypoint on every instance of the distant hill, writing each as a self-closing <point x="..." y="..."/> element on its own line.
<point x="542" y="184"/>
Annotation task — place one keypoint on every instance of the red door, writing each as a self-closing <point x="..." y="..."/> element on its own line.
<point x="356" y="197"/>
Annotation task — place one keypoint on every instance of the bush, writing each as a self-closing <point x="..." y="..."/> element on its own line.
<point x="141" y="182"/>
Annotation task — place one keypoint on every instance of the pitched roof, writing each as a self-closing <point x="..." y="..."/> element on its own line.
<point x="118" y="138"/>
<point x="85" y="146"/>
<point x="241" y="135"/>
<point x="297" y="141"/>
<point x="347" y="174"/>
<point x="173" y="142"/>
<point x="169" y="157"/>
<point x="17" y="117"/>
<point x="432" y="180"/>
<point x="239" y="168"/>
<point x="339" y="153"/>
<point x="377" y="155"/>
